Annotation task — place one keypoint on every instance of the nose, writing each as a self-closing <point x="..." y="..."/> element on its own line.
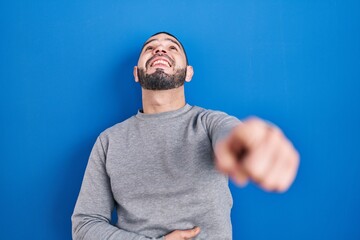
<point x="159" y="50"/>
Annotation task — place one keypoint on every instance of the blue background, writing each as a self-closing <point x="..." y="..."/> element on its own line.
<point x="66" y="75"/>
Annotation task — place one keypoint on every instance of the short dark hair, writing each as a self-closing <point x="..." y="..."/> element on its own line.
<point x="187" y="62"/>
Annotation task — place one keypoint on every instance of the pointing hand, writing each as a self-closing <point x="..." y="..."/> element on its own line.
<point x="258" y="151"/>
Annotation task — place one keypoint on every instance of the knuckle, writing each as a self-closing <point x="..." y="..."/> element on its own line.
<point x="289" y="164"/>
<point x="276" y="136"/>
<point x="252" y="118"/>
<point x="286" y="181"/>
<point x="253" y="121"/>
<point x="297" y="156"/>
<point x="268" y="185"/>
<point x="293" y="160"/>
<point x="283" y="187"/>
<point x="257" y="173"/>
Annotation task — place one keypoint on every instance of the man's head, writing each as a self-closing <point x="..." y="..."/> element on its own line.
<point x="162" y="64"/>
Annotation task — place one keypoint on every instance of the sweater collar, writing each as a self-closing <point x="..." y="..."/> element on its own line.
<point x="163" y="115"/>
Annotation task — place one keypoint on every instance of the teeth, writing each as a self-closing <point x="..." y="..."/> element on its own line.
<point x="161" y="62"/>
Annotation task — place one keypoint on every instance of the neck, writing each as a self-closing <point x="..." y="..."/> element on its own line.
<point x="157" y="101"/>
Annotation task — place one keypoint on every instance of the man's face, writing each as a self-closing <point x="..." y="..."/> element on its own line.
<point x="162" y="63"/>
<point x="164" y="52"/>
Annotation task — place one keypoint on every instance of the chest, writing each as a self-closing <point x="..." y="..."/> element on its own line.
<point x="151" y="160"/>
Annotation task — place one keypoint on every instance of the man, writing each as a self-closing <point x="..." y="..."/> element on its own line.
<point x="166" y="169"/>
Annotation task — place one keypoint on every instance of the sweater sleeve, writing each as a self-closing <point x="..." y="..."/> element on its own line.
<point x="92" y="213"/>
<point x="218" y="125"/>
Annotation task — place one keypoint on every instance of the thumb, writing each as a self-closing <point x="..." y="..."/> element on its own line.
<point x="190" y="233"/>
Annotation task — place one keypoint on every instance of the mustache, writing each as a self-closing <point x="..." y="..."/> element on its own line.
<point x="160" y="55"/>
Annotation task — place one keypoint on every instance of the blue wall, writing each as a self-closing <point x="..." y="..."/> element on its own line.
<point x="66" y="75"/>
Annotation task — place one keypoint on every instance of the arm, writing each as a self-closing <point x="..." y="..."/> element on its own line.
<point x="218" y="125"/>
<point x="92" y="213"/>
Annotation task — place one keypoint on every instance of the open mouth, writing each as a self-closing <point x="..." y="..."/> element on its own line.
<point x="160" y="62"/>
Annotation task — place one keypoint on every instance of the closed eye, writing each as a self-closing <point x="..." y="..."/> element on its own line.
<point x="149" y="48"/>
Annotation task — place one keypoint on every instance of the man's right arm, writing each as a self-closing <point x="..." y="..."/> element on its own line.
<point x="95" y="203"/>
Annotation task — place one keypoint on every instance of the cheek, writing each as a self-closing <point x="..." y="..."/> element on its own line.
<point x="142" y="60"/>
<point x="141" y="63"/>
<point x="180" y="61"/>
<point x="180" y="64"/>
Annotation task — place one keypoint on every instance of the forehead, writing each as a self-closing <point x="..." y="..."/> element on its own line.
<point x="162" y="37"/>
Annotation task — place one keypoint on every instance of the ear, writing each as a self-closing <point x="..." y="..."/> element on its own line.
<point x="189" y="73"/>
<point x="136" y="74"/>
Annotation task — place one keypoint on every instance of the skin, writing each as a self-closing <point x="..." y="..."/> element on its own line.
<point x="254" y="151"/>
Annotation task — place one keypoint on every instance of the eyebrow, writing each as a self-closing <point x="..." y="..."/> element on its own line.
<point x="168" y="39"/>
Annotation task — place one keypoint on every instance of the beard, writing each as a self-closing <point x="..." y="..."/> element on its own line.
<point x="159" y="80"/>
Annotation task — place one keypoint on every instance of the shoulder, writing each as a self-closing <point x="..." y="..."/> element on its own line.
<point x="116" y="130"/>
<point x="211" y="114"/>
<point x="206" y="112"/>
<point x="216" y="119"/>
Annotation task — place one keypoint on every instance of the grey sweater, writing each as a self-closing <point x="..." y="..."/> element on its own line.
<point x="158" y="171"/>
